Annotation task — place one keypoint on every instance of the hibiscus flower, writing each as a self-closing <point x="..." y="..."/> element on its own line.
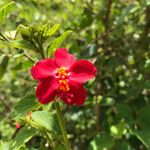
<point x="63" y="77"/>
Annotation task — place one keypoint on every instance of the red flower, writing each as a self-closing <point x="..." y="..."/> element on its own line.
<point x="62" y="76"/>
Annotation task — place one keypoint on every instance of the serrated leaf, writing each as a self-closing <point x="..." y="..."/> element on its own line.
<point x="57" y="43"/>
<point x="22" y="44"/>
<point x="23" y="136"/>
<point x="25" y="105"/>
<point x="5" y="10"/>
<point x="102" y="141"/>
<point x="46" y="120"/>
<point x="51" y="31"/>
<point x="23" y="30"/>
<point x="3" y="64"/>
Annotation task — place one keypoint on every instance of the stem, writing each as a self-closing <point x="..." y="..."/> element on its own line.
<point x="29" y="57"/>
<point x="61" y="124"/>
<point x="40" y="44"/>
<point x="52" y="145"/>
<point x="41" y="51"/>
<point x="97" y="111"/>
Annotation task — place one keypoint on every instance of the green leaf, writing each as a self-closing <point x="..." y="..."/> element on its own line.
<point x="57" y="43"/>
<point x="3" y="44"/>
<point x="59" y="147"/>
<point x="23" y="65"/>
<point x="25" y="105"/>
<point x="101" y="142"/>
<point x="3" y="64"/>
<point x="118" y="130"/>
<point x="22" y="44"/>
<point x="46" y="120"/>
<point x="23" y="30"/>
<point x="51" y="31"/>
<point x="23" y="136"/>
<point x="4" y="145"/>
<point x="122" y="146"/>
<point x="123" y="112"/>
<point x="5" y="10"/>
<point x="143" y="133"/>
<point x="125" y="13"/>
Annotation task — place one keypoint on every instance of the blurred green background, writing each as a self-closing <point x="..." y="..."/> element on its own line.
<point x="115" y="36"/>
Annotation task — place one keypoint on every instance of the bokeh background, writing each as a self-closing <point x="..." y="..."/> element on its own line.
<point x="115" y="36"/>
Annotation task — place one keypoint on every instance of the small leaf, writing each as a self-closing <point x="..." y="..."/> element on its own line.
<point x="51" y="31"/>
<point x="118" y="130"/>
<point x="22" y="44"/>
<point x="5" y="10"/>
<point x="46" y="120"/>
<point x="25" y="105"/>
<point x="23" y="136"/>
<point x="3" y="64"/>
<point x="57" y="43"/>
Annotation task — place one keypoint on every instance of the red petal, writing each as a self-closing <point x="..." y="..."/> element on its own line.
<point x="43" y="69"/>
<point x="82" y="71"/>
<point x="63" y="58"/>
<point x="74" y="96"/>
<point x="46" y="90"/>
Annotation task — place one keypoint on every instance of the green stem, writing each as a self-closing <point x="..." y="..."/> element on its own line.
<point x="40" y="44"/>
<point x="61" y="124"/>
<point x="50" y="141"/>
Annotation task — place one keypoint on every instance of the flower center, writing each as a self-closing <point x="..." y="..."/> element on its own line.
<point x="62" y="75"/>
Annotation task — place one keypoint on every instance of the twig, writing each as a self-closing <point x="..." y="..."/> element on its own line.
<point x="29" y="57"/>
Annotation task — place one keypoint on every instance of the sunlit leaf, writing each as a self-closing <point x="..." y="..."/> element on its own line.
<point x="4" y="145"/>
<point x="5" y="10"/>
<point x="57" y="43"/>
<point x="23" y="30"/>
<point x="46" y="120"/>
<point x="51" y="31"/>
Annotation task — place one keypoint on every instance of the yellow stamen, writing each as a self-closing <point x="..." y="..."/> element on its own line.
<point x="62" y="75"/>
<point x="63" y="86"/>
<point x="61" y="72"/>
